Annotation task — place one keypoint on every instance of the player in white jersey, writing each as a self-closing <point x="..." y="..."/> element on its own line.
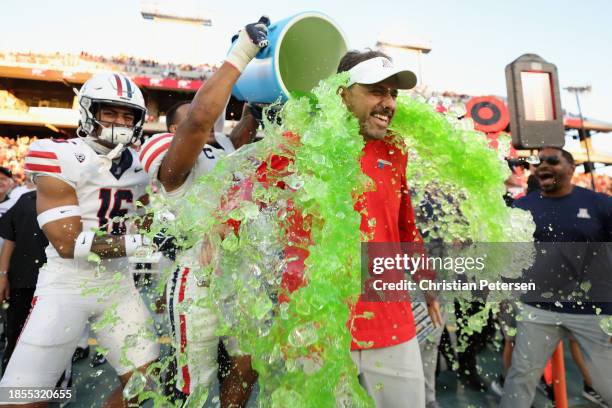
<point x="87" y="190"/>
<point x="193" y="327"/>
<point x="156" y="147"/>
<point x="174" y="161"/>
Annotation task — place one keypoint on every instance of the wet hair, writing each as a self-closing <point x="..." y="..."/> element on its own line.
<point x="171" y="113"/>
<point x="354" y="57"/>
<point x="567" y="155"/>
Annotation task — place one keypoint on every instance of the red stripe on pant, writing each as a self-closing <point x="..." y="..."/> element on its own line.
<point x="183" y="331"/>
<point x="34" y="300"/>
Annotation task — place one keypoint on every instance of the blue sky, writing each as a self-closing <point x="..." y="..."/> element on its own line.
<point x="472" y="40"/>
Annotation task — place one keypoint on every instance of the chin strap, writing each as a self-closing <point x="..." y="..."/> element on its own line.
<point x="97" y="147"/>
<point x="105" y="154"/>
<point x="116" y="152"/>
<point x="123" y="134"/>
<point x="107" y="160"/>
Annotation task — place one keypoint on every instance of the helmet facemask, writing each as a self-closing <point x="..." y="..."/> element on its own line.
<point x="109" y="90"/>
<point x="113" y="133"/>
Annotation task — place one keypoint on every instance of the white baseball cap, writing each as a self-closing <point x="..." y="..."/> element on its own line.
<point x="378" y="69"/>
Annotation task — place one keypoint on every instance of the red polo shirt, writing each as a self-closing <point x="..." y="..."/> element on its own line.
<point x="388" y="203"/>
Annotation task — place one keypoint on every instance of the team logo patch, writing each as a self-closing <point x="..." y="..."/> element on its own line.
<point x="382" y="163"/>
<point x="583" y="213"/>
<point x="80" y="157"/>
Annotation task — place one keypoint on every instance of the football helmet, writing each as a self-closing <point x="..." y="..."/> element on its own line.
<point x="115" y="90"/>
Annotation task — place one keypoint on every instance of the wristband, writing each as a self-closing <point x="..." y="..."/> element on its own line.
<point x="132" y="243"/>
<point x="82" y="245"/>
<point x="250" y="40"/>
<point x="242" y="53"/>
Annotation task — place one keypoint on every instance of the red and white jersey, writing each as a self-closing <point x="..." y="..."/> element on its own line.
<point x="107" y="193"/>
<point x="154" y="150"/>
<point x="151" y="156"/>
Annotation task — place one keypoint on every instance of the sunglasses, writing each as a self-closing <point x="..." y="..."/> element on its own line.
<point x="552" y="160"/>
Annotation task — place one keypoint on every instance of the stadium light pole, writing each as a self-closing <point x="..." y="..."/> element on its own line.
<point x="177" y="11"/>
<point x="578" y="90"/>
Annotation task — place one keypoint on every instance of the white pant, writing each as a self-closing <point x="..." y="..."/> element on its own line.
<point x="194" y="331"/>
<point x="392" y="376"/>
<point x="429" y="355"/>
<point x="56" y="323"/>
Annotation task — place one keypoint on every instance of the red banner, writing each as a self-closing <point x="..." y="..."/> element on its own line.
<point x="168" y="83"/>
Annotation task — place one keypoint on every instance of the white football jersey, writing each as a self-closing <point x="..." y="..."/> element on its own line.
<point x="151" y="156"/>
<point x="154" y="150"/>
<point x="107" y="193"/>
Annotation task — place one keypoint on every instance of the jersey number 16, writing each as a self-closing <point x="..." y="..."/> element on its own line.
<point x="111" y="208"/>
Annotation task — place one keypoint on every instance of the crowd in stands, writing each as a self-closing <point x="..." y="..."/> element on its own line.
<point x="603" y="183"/>
<point x="56" y="60"/>
<point x="12" y="155"/>
<point x="10" y="102"/>
<point x="122" y="63"/>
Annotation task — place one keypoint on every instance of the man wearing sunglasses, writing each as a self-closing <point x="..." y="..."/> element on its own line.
<point x="554" y="170"/>
<point x="579" y="222"/>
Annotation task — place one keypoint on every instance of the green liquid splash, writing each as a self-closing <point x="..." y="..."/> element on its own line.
<point x="300" y="348"/>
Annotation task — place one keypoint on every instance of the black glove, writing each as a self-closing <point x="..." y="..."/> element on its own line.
<point x="248" y="42"/>
<point x="258" y="32"/>
<point x="166" y="244"/>
<point x="271" y="111"/>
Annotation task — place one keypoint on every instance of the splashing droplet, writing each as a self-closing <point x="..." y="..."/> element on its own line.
<point x="606" y="325"/>
<point x="198" y="398"/>
<point x="135" y="385"/>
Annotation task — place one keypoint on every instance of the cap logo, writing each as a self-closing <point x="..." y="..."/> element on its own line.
<point x="386" y="63"/>
<point x="380" y="163"/>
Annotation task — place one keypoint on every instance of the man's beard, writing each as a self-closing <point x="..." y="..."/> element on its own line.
<point x="372" y="135"/>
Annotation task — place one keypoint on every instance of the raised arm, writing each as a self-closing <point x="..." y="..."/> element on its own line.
<point x="207" y="105"/>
